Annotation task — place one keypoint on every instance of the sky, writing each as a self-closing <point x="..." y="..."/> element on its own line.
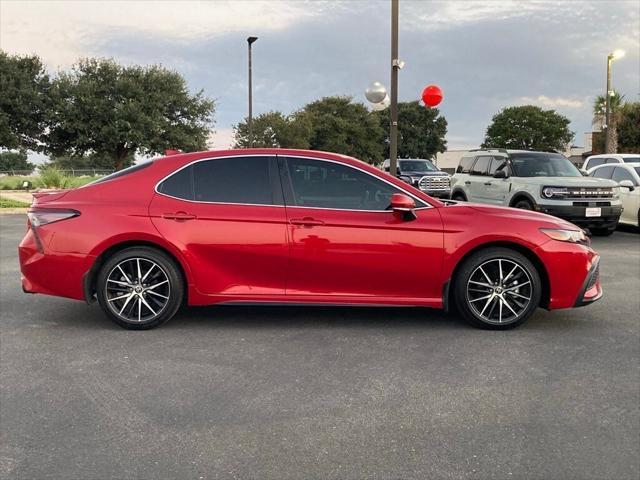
<point x="485" y="55"/>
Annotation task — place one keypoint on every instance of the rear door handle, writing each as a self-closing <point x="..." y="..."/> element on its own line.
<point x="178" y="216"/>
<point x="306" y="221"/>
<point x="488" y="183"/>
<point x="467" y="182"/>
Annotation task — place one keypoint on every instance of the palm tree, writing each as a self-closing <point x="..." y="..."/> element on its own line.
<point x="615" y="111"/>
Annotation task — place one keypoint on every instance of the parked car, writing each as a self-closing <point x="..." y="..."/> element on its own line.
<point x="601" y="159"/>
<point x="627" y="175"/>
<point x="308" y="228"/>
<point x="546" y="182"/>
<point x="423" y="175"/>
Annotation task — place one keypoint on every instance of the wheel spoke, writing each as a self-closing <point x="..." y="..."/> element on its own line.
<point x="500" y="269"/>
<point x="510" y="273"/>
<point x="157" y="285"/>
<point x="486" y="276"/>
<point x="481" y="298"/>
<point x="139" y="309"/>
<point x="148" y="272"/>
<point x="515" y="287"/>
<point x="139" y="272"/>
<point x="481" y="283"/>
<point x="119" y="298"/>
<point x="124" y="274"/>
<point x="147" y="305"/>
<point x="487" y="304"/>
<point x="157" y="294"/>
<point x="118" y="282"/>
<point x="500" y="302"/>
<point x="509" y="306"/>
<point x="515" y="294"/>
<point x="126" y="303"/>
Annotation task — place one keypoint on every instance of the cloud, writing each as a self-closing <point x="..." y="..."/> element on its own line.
<point x="486" y="55"/>
<point x="552" y="102"/>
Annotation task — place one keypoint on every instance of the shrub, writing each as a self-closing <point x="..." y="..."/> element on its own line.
<point x="52" y="177"/>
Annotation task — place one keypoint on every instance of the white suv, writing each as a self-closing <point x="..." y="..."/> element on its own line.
<point x="627" y="176"/>
<point x="543" y="181"/>
<point x="601" y="159"/>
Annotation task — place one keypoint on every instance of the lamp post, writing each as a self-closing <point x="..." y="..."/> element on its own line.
<point x="395" y="66"/>
<point x="607" y="99"/>
<point x="250" y="41"/>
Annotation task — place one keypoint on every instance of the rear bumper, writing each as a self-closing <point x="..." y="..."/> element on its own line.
<point x="577" y="214"/>
<point x="51" y="273"/>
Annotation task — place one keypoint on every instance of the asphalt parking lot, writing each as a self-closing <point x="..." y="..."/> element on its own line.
<point x="320" y="393"/>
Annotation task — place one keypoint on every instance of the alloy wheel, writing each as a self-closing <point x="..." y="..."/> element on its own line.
<point x="137" y="290"/>
<point x="499" y="291"/>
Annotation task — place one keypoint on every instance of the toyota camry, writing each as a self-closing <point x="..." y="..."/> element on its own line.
<point x="275" y="226"/>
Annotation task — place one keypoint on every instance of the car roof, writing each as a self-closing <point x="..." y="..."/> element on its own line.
<point x="609" y="155"/>
<point x="621" y="164"/>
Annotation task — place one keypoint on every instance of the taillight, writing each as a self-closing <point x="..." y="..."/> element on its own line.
<point x="39" y="217"/>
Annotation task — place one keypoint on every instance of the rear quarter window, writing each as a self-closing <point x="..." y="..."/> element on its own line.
<point x="122" y="173"/>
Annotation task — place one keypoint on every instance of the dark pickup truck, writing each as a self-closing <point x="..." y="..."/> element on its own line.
<point x="424" y="175"/>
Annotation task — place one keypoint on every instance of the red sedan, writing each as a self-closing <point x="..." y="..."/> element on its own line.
<point x="293" y="226"/>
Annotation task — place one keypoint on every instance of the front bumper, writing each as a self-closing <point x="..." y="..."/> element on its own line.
<point x="591" y="289"/>
<point x="438" y="193"/>
<point x="576" y="214"/>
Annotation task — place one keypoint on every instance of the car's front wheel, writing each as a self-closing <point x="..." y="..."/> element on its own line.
<point x="497" y="288"/>
<point x="140" y="288"/>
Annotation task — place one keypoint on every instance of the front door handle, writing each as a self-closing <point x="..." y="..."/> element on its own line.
<point x="178" y="216"/>
<point x="488" y="183"/>
<point x="467" y="182"/>
<point x="306" y="221"/>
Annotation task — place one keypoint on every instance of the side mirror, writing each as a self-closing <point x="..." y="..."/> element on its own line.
<point x="500" y="174"/>
<point x="627" y="184"/>
<point x="403" y="204"/>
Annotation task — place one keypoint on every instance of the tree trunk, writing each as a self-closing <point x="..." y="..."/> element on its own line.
<point x="613" y="135"/>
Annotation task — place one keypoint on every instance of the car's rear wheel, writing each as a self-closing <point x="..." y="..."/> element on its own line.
<point x="140" y="288"/>
<point x="497" y="288"/>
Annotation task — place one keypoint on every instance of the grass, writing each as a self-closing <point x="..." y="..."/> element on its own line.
<point x="49" y="178"/>
<point x="8" y="203"/>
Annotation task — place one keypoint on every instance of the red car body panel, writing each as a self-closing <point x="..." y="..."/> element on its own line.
<point x="258" y="253"/>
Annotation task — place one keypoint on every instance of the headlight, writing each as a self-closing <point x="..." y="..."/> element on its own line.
<point x="615" y="192"/>
<point x="551" y="192"/>
<point x="572" y="236"/>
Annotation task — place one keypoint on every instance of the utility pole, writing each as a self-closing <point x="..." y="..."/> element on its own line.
<point x="395" y="66"/>
<point x="250" y="40"/>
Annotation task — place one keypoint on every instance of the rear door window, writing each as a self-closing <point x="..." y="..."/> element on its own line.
<point x="481" y="166"/>
<point x="603" y="172"/>
<point x="236" y="180"/>
<point x="594" y="162"/>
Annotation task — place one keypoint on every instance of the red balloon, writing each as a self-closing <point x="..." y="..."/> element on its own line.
<point x="431" y="95"/>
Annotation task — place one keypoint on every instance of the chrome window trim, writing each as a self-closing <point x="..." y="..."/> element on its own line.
<point x="427" y="205"/>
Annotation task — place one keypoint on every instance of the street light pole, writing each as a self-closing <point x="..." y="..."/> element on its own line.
<point x="607" y="107"/>
<point x="250" y="41"/>
<point x="395" y="66"/>
<point x="607" y="98"/>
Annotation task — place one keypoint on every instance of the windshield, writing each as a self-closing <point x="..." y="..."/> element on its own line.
<point x="417" y="166"/>
<point x="631" y="159"/>
<point x="538" y="164"/>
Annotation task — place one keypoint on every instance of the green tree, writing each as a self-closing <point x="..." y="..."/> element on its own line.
<point x="15" y="162"/>
<point x="103" y="108"/>
<point x="629" y="128"/>
<point x="343" y="126"/>
<point x="615" y="112"/>
<point x="87" y="162"/>
<point x="275" y="130"/>
<point x="528" y="127"/>
<point x="24" y="87"/>
<point x="421" y="130"/>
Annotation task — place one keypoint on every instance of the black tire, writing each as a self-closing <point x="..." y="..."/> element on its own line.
<point x="166" y="273"/>
<point x="523" y="204"/>
<point x="505" y="258"/>
<point x="602" y="232"/>
<point x="458" y="197"/>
